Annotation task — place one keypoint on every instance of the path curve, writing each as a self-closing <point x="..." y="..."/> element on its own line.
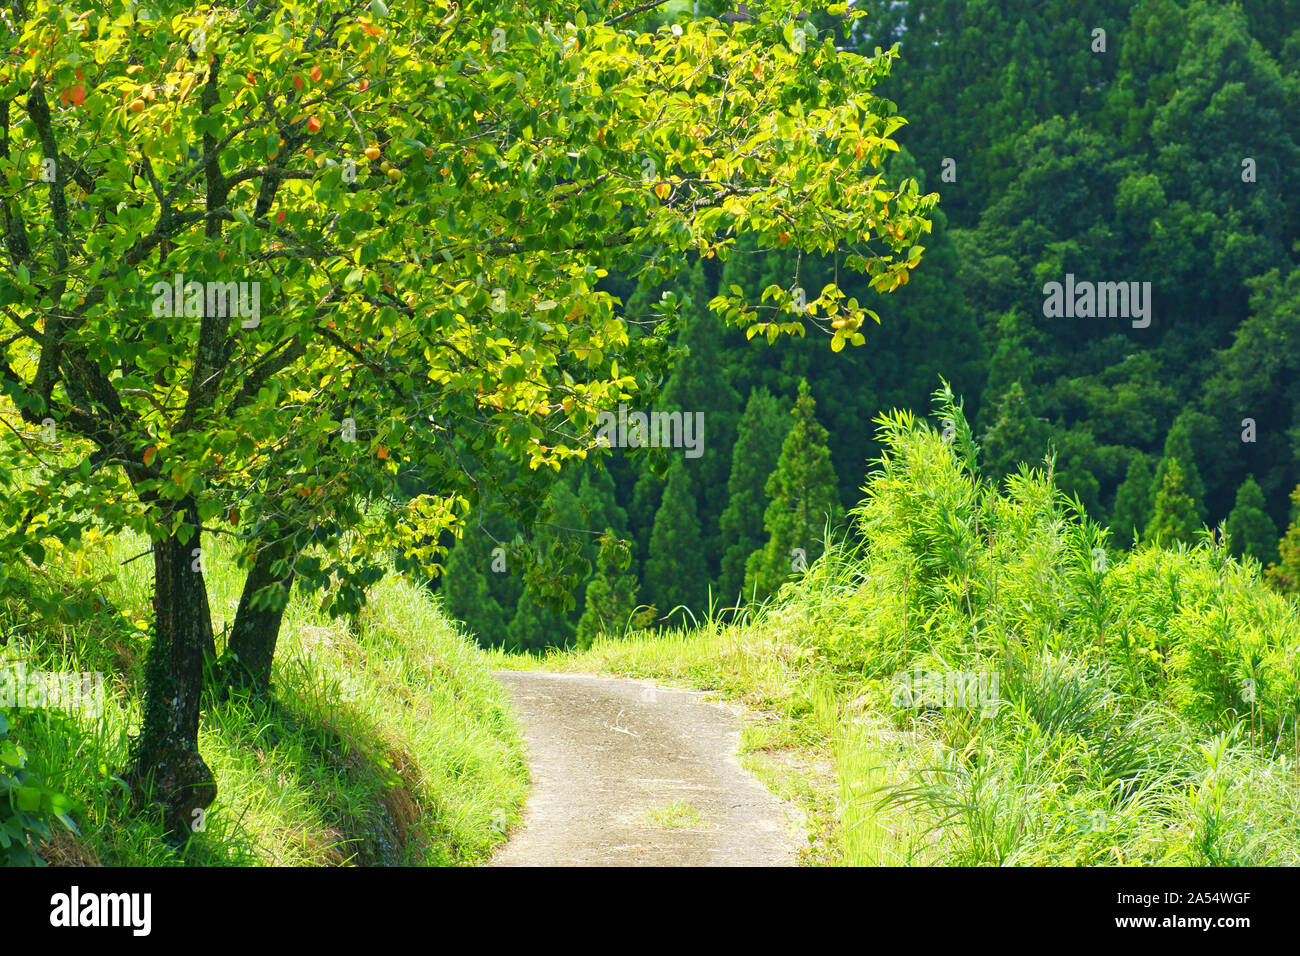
<point x="631" y="773"/>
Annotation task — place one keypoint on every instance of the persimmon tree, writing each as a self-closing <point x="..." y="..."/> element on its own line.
<point x="415" y="209"/>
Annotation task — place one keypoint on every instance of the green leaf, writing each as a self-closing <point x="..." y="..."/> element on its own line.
<point x="9" y="755"/>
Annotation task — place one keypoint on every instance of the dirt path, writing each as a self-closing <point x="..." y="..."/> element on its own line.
<point x="627" y="773"/>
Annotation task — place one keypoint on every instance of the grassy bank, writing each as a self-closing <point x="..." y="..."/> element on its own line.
<point x="386" y="743"/>
<point x="978" y="677"/>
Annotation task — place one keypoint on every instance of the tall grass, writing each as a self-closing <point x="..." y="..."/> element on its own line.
<point x="384" y="744"/>
<point x="1146" y="702"/>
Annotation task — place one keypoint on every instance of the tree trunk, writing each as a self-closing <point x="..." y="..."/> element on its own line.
<point x="166" y="767"/>
<point x="251" y="647"/>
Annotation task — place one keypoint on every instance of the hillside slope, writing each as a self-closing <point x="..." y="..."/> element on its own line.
<point x="388" y="743"/>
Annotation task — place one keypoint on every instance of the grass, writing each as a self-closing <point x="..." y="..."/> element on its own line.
<point x="1137" y="708"/>
<point x="677" y="815"/>
<point x="1074" y="774"/>
<point x="1126" y="707"/>
<point x="388" y="743"/>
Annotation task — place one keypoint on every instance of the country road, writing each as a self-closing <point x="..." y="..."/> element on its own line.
<point x="628" y="773"/>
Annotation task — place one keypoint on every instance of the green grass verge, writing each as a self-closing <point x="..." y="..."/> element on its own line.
<point x="387" y="743"/>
